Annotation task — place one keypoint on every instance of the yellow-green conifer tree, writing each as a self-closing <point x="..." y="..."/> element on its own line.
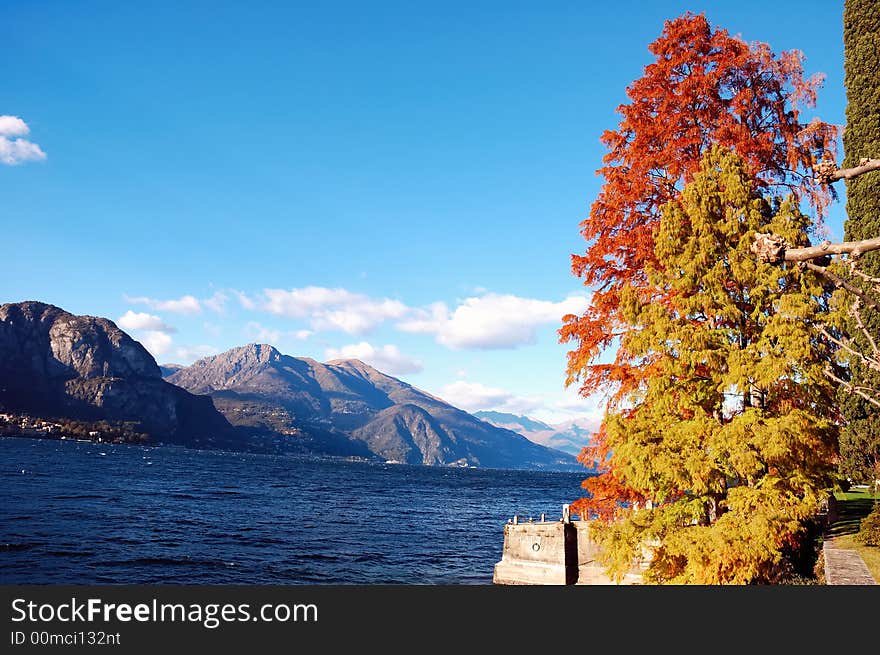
<point x="732" y="441"/>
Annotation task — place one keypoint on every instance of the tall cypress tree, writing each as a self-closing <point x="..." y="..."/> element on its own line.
<point x="860" y="440"/>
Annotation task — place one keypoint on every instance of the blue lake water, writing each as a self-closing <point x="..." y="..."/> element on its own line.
<point x="89" y="513"/>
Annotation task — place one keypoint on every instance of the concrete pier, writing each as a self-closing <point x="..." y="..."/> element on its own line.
<point x="554" y="553"/>
<point x="562" y="553"/>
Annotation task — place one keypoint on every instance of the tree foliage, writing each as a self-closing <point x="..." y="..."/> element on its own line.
<point x="860" y="441"/>
<point x="704" y="87"/>
<point x="869" y="528"/>
<point x="731" y="440"/>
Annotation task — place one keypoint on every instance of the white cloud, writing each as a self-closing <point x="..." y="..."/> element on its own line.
<point x="212" y="328"/>
<point x="183" y="305"/>
<point x="14" y="149"/>
<point x="244" y="300"/>
<point x="492" y="321"/>
<point x="143" y="321"/>
<point x="359" y="317"/>
<point x="157" y="343"/>
<point x="153" y="332"/>
<point x="562" y="409"/>
<point x="387" y="359"/>
<point x="299" y="303"/>
<point x="217" y="302"/>
<point x="13" y="126"/>
<point x="570" y="407"/>
<point x="473" y="396"/>
<point x="18" y="151"/>
<point x="262" y="334"/>
<point x="326" y="308"/>
<point x="188" y="354"/>
<point x="572" y="401"/>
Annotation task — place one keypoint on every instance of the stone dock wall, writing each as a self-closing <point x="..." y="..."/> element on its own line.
<point x="563" y="553"/>
<point x="553" y="553"/>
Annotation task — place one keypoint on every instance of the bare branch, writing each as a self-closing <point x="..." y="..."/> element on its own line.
<point x="869" y="362"/>
<point x="853" y="268"/>
<point x="846" y="385"/>
<point x="851" y="248"/>
<point x="826" y="172"/>
<point x="840" y="283"/>
<point x="857" y="316"/>
<point x="773" y="249"/>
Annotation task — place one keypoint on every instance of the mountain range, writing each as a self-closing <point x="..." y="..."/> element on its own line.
<point x="58" y="365"/>
<point x="569" y="436"/>
<point x="259" y="387"/>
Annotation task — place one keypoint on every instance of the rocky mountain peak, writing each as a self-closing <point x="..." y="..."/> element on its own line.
<point x="241" y="358"/>
<point x="252" y="353"/>
<point x="54" y="343"/>
<point x="57" y="364"/>
<point x="352" y="365"/>
<point x="231" y="368"/>
<point x="354" y="405"/>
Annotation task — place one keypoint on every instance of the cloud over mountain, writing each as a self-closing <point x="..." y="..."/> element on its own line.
<point x="491" y="321"/>
<point x="186" y="305"/>
<point x="472" y="396"/>
<point x="388" y="358"/>
<point x="143" y="321"/>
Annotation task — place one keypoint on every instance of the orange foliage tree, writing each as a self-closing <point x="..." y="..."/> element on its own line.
<point x="704" y="87"/>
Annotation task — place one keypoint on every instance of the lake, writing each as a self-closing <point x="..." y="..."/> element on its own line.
<point x="92" y="513"/>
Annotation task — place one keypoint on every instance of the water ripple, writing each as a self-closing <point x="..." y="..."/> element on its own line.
<point x="279" y="519"/>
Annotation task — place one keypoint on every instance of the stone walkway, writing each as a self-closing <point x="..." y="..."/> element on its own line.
<point x="845" y="567"/>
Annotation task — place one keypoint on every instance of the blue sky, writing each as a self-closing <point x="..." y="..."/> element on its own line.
<point x="399" y="182"/>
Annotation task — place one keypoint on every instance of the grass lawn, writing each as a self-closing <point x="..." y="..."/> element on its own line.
<point x="853" y="506"/>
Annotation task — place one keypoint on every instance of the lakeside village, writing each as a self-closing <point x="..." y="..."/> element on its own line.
<point x="24" y="425"/>
<point x="120" y="432"/>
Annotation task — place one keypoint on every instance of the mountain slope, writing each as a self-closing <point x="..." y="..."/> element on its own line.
<point x="569" y="437"/>
<point x="56" y="364"/>
<point x="169" y="369"/>
<point x="406" y="433"/>
<point x="256" y="385"/>
<point x="521" y="424"/>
